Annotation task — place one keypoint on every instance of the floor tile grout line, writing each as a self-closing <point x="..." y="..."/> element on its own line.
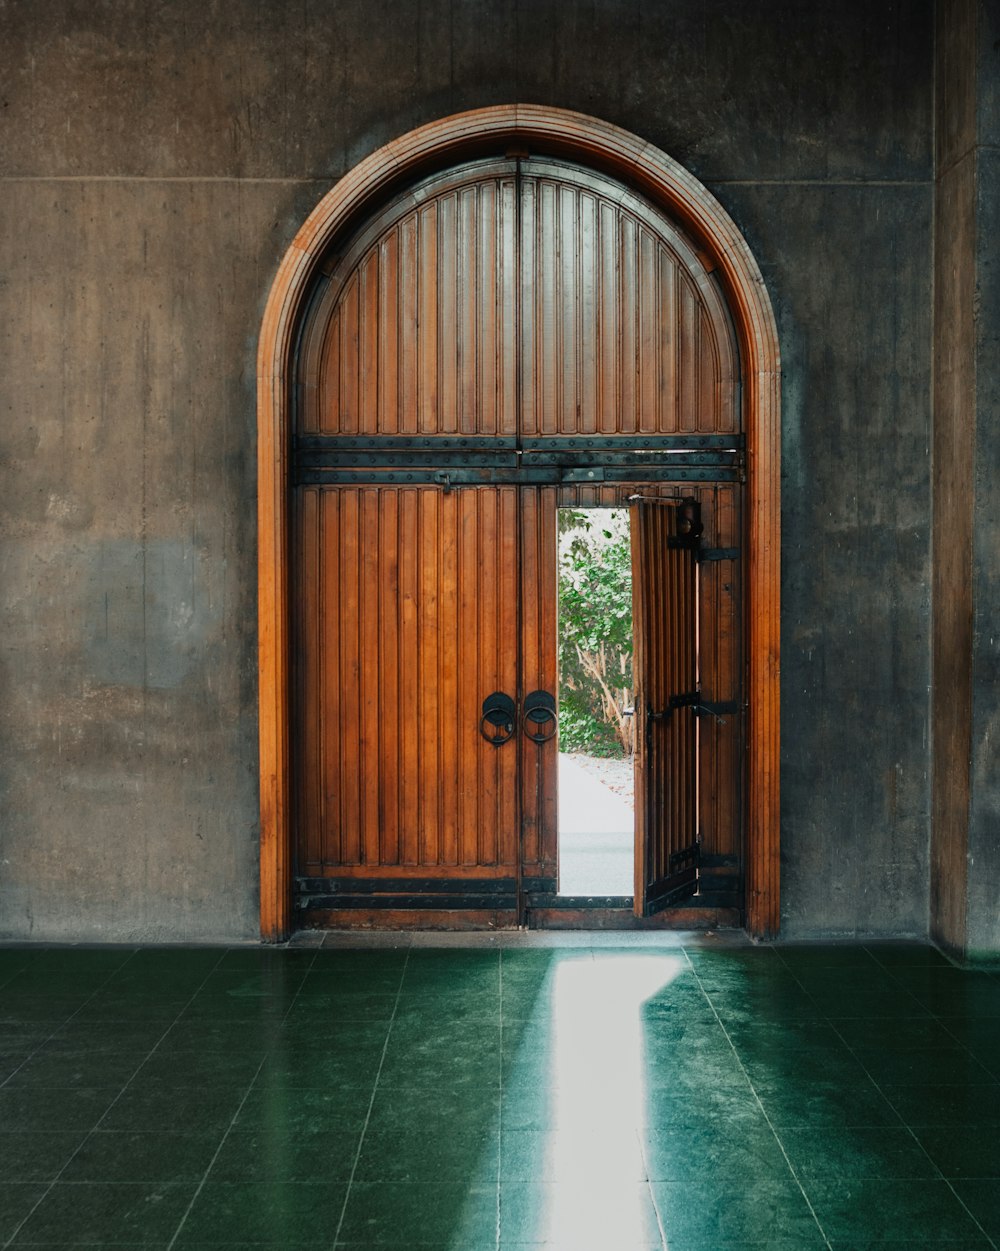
<point x="830" y="1021"/>
<point x="66" y="1020"/>
<point x="371" y="1103"/>
<point x="760" y="1104"/>
<point x="239" y="1109"/>
<point x="909" y="1128"/>
<point x="94" y="1128"/>
<point x="642" y="1146"/>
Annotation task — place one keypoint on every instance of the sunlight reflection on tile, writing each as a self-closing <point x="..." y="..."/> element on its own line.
<point x="579" y="1077"/>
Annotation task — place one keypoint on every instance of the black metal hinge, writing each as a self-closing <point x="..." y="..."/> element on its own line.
<point x="718" y="553"/>
<point x="700" y="707"/>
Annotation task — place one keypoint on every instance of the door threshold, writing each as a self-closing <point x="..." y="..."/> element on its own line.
<point x="572" y="914"/>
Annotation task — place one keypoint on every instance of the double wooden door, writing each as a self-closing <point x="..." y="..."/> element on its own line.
<point x="497" y="341"/>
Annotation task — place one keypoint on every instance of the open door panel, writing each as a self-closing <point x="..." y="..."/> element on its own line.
<point x="665" y="674"/>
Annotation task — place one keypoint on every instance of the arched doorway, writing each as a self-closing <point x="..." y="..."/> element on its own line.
<point x="502" y="312"/>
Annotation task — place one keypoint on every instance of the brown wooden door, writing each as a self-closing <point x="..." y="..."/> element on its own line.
<point x="665" y="674"/>
<point x="461" y="353"/>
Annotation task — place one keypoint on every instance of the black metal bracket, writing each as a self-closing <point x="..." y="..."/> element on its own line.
<point x="474" y="460"/>
<point x="497" y="475"/>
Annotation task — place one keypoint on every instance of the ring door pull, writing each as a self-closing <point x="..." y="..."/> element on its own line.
<point x="499" y="719"/>
<point x="539" y="716"/>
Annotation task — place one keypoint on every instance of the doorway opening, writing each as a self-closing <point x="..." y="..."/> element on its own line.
<point x="596" y="786"/>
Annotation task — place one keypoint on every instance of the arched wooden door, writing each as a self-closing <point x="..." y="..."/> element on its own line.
<point x="496" y="340"/>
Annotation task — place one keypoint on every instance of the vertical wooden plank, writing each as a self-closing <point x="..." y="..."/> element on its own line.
<point x="427" y="300"/>
<point x="452" y="505"/>
<point x="468" y="412"/>
<point x="649" y="316"/>
<point x="567" y="310"/>
<point x="668" y="419"/>
<point x="587" y="354"/>
<point x="609" y="333"/>
<point x="629" y="327"/>
<point x="386" y="629"/>
<point x="548" y="344"/>
<point x="369" y="663"/>
<point x="687" y="320"/>
<point x="711" y="415"/>
<point x="349" y="357"/>
<point x="507" y="669"/>
<point x="410" y="703"/>
<point x="326" y="418"/>
<point x="387" y="335"/>
<point x="510" y="357"/>
<point x="429" y="753"/>
<point x="408" y="366"/>
<point x="467" y="696"/>
<point x="345" y="848"/>
<point x="521" y="303"/>
<point x="487" y="380"/>
<point x="368" y="337"/>
<point x="327" y="681"/>
<point x="487" y="679"/>
<point x="448" y="330"/>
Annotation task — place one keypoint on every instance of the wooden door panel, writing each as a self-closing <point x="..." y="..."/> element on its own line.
<point x="514" y="299"/>
<point x="665" y="667"/>
<point x="720" y="677"/>
<point x="413" y="329"/>
<point x="400" y="638"/>
<point x="623" y="331"/>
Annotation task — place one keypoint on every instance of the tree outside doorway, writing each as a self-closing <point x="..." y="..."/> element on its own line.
<point x="596" y="737"/>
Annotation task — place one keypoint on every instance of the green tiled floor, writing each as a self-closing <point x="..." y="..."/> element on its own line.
<point x="416" y="1092"/>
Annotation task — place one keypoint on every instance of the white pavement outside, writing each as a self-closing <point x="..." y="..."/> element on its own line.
<point x="596" y="835"/>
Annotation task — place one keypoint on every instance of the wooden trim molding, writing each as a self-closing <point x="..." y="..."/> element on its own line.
<point x="587" y="141"/>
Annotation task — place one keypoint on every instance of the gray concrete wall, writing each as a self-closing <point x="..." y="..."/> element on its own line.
<point x="156" y="161"/>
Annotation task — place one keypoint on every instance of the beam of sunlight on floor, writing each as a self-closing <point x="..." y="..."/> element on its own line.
<point x="574" y="1095"/>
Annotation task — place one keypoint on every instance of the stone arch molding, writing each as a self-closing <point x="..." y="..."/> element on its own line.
<point x="590" y="142"/>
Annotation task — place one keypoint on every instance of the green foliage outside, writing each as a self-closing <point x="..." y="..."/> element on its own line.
<point x="595" y="631"/>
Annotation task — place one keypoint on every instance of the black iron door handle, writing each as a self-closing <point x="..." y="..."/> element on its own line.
<point x="539" y="716"/>
<point x="499" y="719"/>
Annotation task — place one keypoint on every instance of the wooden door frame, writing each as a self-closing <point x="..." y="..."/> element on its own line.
<point x="590" y="142"/>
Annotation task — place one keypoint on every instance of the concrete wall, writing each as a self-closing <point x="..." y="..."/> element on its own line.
<point x="156" y="162"/>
